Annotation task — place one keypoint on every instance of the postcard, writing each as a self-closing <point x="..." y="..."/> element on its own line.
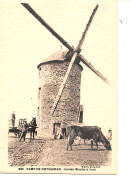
<point x="58" y="87"/>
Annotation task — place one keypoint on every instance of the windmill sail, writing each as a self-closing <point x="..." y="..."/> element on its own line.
<point x="66" y="44"/>
<point x="46" y="25"/>
<point x="73" y="60"/>
<point x="90" y="66"/>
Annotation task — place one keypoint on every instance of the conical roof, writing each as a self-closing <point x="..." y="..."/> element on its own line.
<point x="60" y="55"/>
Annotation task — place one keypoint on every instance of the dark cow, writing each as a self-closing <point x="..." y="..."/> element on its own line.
<point x="87" y="132"/>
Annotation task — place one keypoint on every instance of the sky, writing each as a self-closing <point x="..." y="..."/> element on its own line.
<point x="25" y="43"/>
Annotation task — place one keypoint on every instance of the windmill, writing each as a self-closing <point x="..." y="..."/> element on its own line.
<point x="73" y="52"/>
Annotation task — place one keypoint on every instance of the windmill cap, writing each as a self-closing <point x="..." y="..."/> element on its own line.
<point x="59" y="56"/>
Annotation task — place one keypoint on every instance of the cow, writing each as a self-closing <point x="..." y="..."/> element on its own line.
<point x="92" y="133"/>
<point x="79" y="140"/>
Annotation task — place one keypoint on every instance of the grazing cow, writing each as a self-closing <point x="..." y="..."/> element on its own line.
<point x="87" y="132"/>
<point x="79" y="140"/>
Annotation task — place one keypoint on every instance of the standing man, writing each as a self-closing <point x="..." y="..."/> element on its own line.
<point x="24" y="131"/>
<point x="13" y="118"/>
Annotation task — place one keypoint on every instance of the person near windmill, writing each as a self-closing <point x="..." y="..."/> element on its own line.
<point x="13" y="118"/>
<point x="24" y="130"/>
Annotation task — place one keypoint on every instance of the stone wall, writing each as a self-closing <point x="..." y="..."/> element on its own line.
<point x="50" y="78"/>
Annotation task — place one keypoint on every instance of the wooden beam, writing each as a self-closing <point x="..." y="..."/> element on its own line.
<point x="87" y="26"/>
<point x="90" y="66"/>
<point x="44" y="23"/>
<point x="75" y="54"/>
<point x="66" y="44"/>
<point x="63" y="83"/>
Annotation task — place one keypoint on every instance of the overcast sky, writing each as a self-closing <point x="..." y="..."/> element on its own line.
<point x="25" y="43"/>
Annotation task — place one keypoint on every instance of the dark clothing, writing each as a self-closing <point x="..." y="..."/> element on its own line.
<point x="13" y="116"/>
<point x="13" y="119"/>
<point x="13" y="122"/>
<point x="24" y="131"/>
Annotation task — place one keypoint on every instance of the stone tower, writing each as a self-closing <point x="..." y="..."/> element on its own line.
<point x="68" y="111"/>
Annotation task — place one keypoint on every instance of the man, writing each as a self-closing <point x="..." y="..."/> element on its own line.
<point x="110" y="135"/>
<point x="24" y="131"/>
<point x="13" y="118"/>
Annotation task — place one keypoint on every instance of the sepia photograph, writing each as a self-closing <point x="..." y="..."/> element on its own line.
<point x="59" y="87"/>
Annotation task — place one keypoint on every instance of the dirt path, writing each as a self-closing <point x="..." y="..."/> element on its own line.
<point x="55" y="154"/>
<point x="41" y="152"/>
<point x="24" y="153"/>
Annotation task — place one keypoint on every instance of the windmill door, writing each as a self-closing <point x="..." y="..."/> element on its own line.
<point x="57" y="128"/>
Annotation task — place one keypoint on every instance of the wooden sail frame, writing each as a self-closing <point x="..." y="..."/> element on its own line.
<point x="76" y="52"/>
